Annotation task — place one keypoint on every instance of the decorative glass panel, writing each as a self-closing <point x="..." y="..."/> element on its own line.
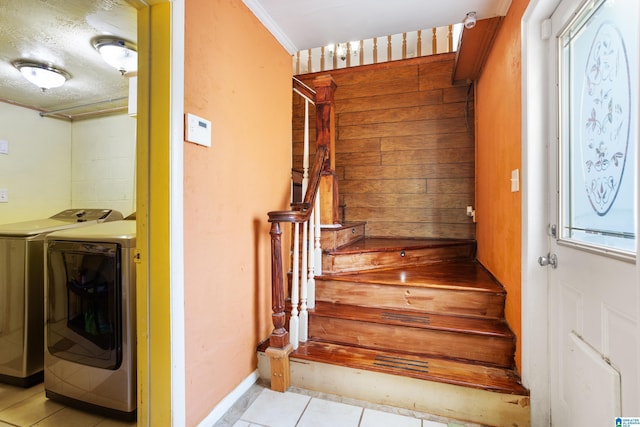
<point x="598" y="127"/>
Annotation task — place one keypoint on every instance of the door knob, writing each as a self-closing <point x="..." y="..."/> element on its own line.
<point x="549" y="259"/>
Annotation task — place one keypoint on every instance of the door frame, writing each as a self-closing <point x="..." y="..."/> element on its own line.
<point x="159" y="210"/>
<point x="536" y="95"/>
<point x="535" y="170"/>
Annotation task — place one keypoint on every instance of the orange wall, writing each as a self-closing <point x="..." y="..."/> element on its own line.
<point x="239" y="77"/>
<point x="498" y="152"/>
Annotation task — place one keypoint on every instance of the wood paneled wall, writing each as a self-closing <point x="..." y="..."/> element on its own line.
<point x="499" y="130"/>
<point x="404" y="147"/>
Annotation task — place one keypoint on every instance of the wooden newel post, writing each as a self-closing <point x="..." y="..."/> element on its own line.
<point x="279" y="347"/>
<point x="279" y="337"/>
<point x="325" y="88"/>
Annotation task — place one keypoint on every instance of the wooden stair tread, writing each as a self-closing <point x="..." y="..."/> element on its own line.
<point x="472" y="325"/>
<point x="420" y="367"/>
<point x="455" y="275"/>
<point x="389" y="244"/>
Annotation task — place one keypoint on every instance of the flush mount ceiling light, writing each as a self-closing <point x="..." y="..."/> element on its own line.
<point x="118" y="53"/>
<point x="469" y="20"/>
<point x="45" y="76"/>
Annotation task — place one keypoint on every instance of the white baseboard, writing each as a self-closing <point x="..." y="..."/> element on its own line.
<point x="228" y="401"/>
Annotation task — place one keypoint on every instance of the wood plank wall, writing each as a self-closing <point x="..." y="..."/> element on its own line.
<point x="404" y="147"/>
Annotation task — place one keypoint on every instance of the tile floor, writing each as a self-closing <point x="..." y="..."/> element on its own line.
<point x="26" y="407"/>
<point x="261" y="407"/>
<point x="258" y="407"/>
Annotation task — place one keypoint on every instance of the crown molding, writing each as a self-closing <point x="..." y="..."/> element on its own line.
<point x="503" y="7"/>
<point x="263" y="16"/>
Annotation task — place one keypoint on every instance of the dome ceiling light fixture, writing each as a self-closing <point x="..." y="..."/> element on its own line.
<point x="45" y="76"/>
<point x="118" y="53"/>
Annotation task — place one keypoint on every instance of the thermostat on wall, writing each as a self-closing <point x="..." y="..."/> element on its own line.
<point x="198" y="130"/>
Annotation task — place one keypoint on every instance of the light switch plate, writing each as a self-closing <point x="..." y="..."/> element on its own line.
<point x="4" y="146"/>
<point x="4" y="195"/>
<point x="198" y="130"/>
<point x="515" y="180"/>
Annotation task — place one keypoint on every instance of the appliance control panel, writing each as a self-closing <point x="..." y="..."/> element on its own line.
<point x="83" y="215"/>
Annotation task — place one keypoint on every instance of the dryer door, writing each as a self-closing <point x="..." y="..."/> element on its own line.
<point x="84" y="304"/>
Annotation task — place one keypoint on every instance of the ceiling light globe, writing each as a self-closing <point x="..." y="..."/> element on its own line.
<point x="120" y="54"/>
<point x="42" y="75"/>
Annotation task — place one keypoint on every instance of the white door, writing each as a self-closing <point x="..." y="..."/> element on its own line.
<point x="594" y="361"/>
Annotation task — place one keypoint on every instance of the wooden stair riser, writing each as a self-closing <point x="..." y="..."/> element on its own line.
<point x="464" y="346"/>
<point x="334" y="238"/>
<point x="460" y="403"/>
<point x="349" y="262"/>
<point x="479" y="405"/>
<point x="330" y="238"/>
<point x="399" y="318"/>
<point x="435" y="300"/>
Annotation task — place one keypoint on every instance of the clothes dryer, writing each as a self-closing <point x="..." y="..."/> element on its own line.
<point x="22" y="290"/>
<point x="90" y="334"/>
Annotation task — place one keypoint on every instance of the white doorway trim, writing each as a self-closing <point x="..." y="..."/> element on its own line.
<point x="535" y="357"/>
<point x="176" y="215"/>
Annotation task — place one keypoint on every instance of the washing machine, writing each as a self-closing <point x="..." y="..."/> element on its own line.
<point x="22" y="290"/>
<point x="90" y="333"/>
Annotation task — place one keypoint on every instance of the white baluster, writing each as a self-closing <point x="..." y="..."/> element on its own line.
<point x="304" y="315"/>
<point x="311" y="280"/>
<point x="305" y="155"/>
<point x="294" y="321"/>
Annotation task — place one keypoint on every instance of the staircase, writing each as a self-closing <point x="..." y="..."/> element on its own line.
<point x="411" y="323"/>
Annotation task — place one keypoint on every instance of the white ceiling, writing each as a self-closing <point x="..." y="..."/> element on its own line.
<point x="59" y="32"/>
<point x="306" y="24"/>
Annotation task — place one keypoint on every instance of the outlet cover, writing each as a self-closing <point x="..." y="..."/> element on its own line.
<point x="4" y="146"/>
<point x="4" y="195"/>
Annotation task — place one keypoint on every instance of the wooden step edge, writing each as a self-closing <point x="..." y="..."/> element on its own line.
<point x="343" y="226"/>
<point x="450" y="275"/>
<point x="503" y="360"/>
<point x="361" y="278"/>
<point x="484" y="326"/>
<point x="370" y="268"/>
<point x="449" y="371"/>
<point x="395" y="245"/>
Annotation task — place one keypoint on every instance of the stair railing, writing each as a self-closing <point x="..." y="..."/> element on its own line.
<point x="413" y="44"/>
<point x="305" y="214"/>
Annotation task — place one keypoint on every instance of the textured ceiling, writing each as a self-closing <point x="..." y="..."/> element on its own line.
<point x="59" y="32"/>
